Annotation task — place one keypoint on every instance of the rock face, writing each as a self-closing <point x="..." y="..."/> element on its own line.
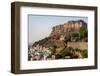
<point x="68" y="27"/>
<point x="58" y="32"/>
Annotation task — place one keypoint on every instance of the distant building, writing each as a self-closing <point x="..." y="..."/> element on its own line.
<point x="70" y="26"/>
<point x="61" y="37"/>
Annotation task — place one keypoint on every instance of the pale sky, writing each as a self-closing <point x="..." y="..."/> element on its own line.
<point x="40" y="26"/>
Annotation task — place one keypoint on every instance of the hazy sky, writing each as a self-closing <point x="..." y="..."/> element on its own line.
<point x="41" y="26"/>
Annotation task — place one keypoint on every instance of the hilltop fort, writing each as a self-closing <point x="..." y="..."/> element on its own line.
<point x="68" y="27"/>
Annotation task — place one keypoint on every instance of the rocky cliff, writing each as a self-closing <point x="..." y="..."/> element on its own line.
<point x="59" y="31"/>
<point x="70" y="26"/>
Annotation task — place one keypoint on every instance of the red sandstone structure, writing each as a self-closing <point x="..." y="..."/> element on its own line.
<point x="70" y="26"/>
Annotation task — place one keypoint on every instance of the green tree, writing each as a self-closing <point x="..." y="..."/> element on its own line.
<point x="75" y="36"/>
<point x="65" y="53"/>
<point x="83" y="33"/>
<point x="84" y="53"/>
<point x="67" y="38"/>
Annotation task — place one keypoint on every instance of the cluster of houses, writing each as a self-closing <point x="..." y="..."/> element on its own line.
<point x="38" y="53"/>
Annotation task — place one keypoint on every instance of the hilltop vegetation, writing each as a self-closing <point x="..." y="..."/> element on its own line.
<point x="58" y="41"/>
